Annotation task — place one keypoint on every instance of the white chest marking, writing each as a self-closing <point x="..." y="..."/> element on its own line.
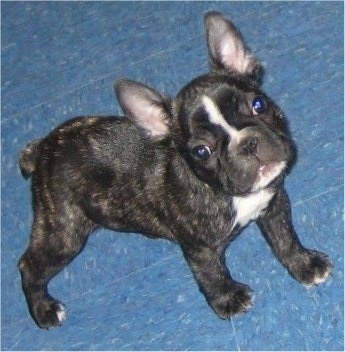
<point x="250" y="207"/>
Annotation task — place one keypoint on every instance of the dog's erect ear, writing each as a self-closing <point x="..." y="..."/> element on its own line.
<point x="227" y="49"/>
<point x="144" y="106"/>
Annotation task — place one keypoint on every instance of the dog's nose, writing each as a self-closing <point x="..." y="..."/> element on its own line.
<point x="249" y="146"/>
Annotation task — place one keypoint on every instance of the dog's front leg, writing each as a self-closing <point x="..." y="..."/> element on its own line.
<point x="226" y="296"/>
<point x="307" y="266"/>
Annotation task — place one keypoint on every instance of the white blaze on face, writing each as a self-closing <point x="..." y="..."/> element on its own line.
<point x="216" y="117"/>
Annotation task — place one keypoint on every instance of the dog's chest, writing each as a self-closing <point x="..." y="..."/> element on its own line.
<point x="250" y="207"/>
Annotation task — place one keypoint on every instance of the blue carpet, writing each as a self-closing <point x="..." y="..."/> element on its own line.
<point x="127" y="292"/>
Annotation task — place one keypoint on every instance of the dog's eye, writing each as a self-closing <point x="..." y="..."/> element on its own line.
<point x="202" y="152"/>
<point x="258" y="105"/>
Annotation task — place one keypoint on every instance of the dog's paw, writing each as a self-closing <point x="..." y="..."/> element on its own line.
<point x="311" y="267"/>
<point x="49" y="313"/>
<point x="236" y="301"/>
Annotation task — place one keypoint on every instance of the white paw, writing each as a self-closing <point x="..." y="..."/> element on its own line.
<point x="61" y="313"/>
<point x="319" y="279"/>
<point x="322" y="278"/>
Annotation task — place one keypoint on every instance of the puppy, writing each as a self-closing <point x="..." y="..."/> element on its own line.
<point x="194" y="170"/>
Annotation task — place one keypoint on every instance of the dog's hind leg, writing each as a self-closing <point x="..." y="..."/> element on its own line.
<point x="55" y="241"/>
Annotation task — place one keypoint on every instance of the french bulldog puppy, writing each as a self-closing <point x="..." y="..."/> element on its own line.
<point x="194" y="170"/>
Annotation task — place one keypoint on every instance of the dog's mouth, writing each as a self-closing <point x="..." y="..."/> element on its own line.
<point x="267" y="172"/>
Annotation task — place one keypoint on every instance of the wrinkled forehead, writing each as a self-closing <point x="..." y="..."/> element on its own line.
<point x="229" y="94"/>
<point x="220" y="102"/>
<point x="217" y="84"/>
<point x="225" y="108"/>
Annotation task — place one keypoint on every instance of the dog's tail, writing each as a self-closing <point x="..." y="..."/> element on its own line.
<point x="28" y="157"/>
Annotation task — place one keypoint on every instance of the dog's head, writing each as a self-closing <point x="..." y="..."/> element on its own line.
<point x="232" y="135"/>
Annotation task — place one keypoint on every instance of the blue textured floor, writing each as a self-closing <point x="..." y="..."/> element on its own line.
<point x="126" y="292"/>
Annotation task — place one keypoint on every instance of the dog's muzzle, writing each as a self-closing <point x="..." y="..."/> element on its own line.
<point x="268" y="172"/>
